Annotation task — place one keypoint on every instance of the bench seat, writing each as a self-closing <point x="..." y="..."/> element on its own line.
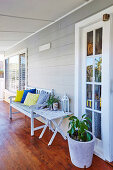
<point x="21" y="106"/>
<point x="27" y="110"/>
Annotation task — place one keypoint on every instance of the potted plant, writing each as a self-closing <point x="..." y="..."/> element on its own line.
<point x="52" y="102"/>
<point x="80" y="141"/>
<point x="55" y="103"/>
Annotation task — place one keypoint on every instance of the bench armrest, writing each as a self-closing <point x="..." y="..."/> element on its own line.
<point x="11" y="97"/>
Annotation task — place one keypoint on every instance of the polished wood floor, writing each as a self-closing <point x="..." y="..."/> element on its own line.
<point x="20" y="151"/>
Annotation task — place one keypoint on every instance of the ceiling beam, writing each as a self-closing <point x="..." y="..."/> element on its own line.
<point x="7" y="40"/>
<point x="35" y="19"/>
<point x="17" y="31"/>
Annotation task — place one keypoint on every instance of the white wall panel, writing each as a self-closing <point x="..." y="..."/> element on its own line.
<point x="54" y="68"/>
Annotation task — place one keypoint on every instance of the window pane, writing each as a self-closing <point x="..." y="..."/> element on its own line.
<point x="97" y="125"/>
<point x="89" y="95"/>
<point x="89" y="69"/>
<point x="90" y="43"/>
<point x="89" y="114"/>
<point x="98" y="41"/>
<point x="14" y="73"/>
<point x="97" y="102"/>
<point x="98" y="68"/>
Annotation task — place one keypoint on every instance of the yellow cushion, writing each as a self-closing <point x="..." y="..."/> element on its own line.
<point x="31" y="99"/>
<point x="19" y="95"/>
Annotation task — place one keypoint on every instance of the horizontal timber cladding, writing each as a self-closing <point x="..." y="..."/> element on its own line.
<point x="54" y="68"/>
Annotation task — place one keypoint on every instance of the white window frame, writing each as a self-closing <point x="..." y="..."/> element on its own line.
<point x="26" y="65"/>
<point x="108" y="85"/>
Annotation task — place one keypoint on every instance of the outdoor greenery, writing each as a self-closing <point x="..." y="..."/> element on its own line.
<point x="98" y="69"/>
<point x="78" y="128"/>
<point x="98" y="66"/>
<point x="89" y="73"/>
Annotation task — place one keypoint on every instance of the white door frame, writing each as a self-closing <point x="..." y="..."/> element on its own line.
<point x="107" y="110"/>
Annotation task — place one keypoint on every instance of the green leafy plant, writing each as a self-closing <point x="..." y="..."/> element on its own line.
<point x="98" y="68"/>
<point x="78" y="128"/>
<point x="52" y="99"/>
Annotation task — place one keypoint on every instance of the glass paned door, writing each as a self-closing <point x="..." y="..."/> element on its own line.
<point x="94" y="79"/>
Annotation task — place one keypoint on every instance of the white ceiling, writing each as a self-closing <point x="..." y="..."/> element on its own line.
<point x="20" y="18"/>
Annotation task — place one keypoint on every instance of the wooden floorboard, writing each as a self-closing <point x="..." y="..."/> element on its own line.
<point x="20" y="151"/>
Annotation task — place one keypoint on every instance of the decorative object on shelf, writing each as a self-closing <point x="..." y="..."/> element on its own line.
<point x="53" y="102"/>
<point x="89" y="103"/>
<point x="80" y="141"/>
<point x="89" y="94"/>
<point x="106" y="17"/>
<point x="90" y="48"/>
<point x="90" y="73"/>
<point x="65" y="103"/>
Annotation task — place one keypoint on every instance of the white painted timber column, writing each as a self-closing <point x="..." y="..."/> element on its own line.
<point x="111" y="88"/>
<point x="106" y="92"/>
<point x="77" y="72"/>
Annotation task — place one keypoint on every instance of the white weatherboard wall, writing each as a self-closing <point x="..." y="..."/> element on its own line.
<point x="55" y="68"/>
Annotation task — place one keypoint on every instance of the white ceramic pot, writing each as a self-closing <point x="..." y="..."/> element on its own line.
<point x="81" y="153"/>
<point x="55" y="106"/>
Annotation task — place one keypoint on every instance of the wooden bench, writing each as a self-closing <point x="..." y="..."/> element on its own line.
<point x="28" y="111"/>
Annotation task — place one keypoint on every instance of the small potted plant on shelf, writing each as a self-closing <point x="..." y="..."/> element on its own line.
<point x="80" y="141"/>
<point x="53" y="102"/>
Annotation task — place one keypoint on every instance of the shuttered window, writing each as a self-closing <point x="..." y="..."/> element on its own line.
<point x="15" y="73"/>
<point x="22" y="72"/>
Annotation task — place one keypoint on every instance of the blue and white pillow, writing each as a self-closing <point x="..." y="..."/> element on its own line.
<point x="43" y="97"/>
<point x="26" y="92"/>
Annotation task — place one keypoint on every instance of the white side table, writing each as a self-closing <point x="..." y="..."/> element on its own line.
<point x="50" y="116"/>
